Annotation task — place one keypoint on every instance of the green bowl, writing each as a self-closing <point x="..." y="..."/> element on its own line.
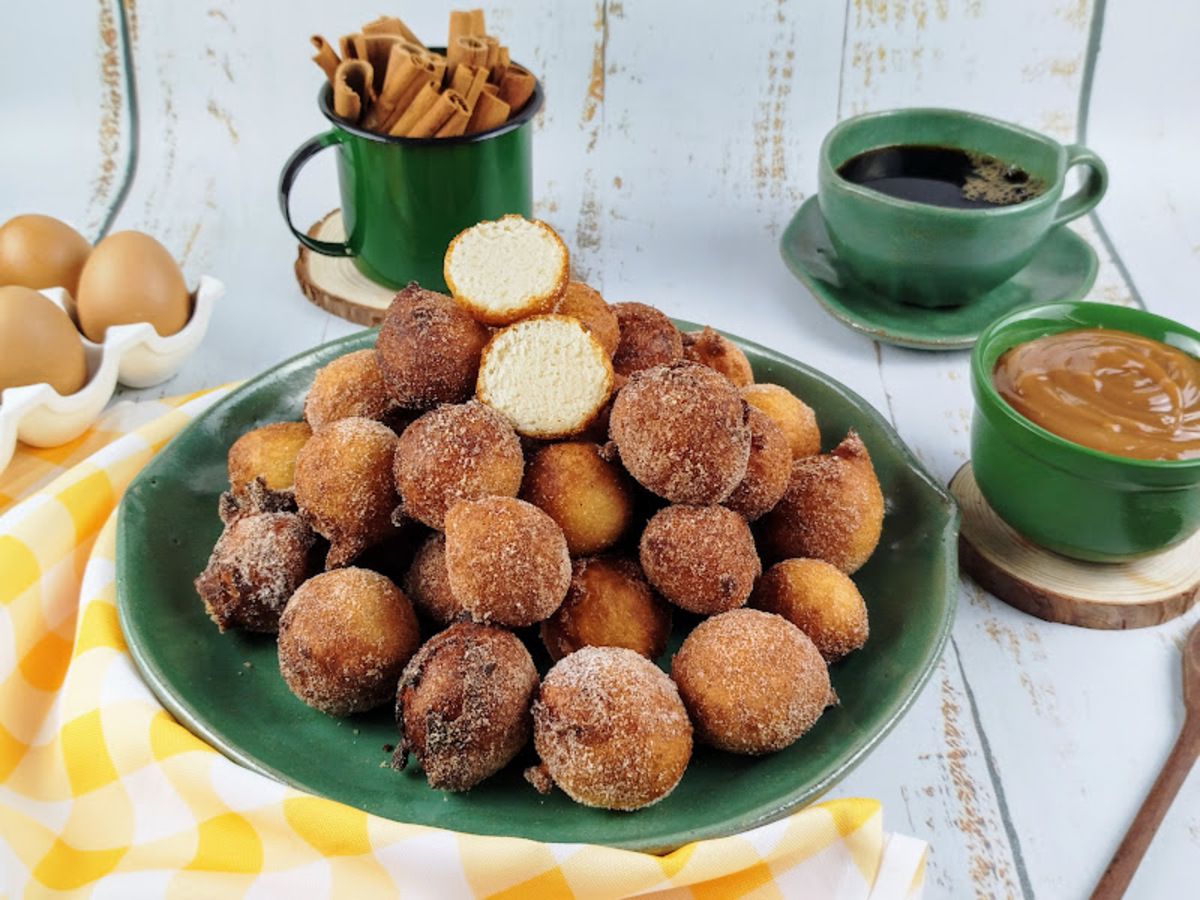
<point x="1077" y="501"/>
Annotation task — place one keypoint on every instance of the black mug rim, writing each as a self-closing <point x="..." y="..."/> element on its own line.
<point x="531" y="108"/>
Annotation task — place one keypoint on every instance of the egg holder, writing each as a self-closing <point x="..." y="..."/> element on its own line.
<point x="135" y="355"/>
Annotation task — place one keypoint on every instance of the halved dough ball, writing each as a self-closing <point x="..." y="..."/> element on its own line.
<point x="819" y="599"/>
<point x="609" y="604"/>
<point x="752" y="681"/>
<point x="711" y="348"/>
<point x="460" y="451"/>
<point x="350" y="385"/>
<point x="344" y="486"/>
<point x="507" y="560"/>
<point x="504" y="270"/>
<point x="255" y="566"/>
<point x="681" y="431"/>
<point x="701" y="558"/>
<point x="610" y="729"/>
<point x="269" y="451"/>
<point x="548" y="375"/>
<point x="585" y="303"/>
<point x="832" y="509"/>
<point x="463" y="704"/>
<point x="589" y="497"/>
<point x="768" y="470"/>
<point x="428" y="348"/>
<point x="793" y="415"/>
<point x="344" y="638"/>
<point x="648" y="338"/>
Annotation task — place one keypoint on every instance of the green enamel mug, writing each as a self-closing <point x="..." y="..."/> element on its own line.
<point x="404" y="199"/>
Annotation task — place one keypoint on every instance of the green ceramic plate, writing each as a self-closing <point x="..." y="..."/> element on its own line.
<point x="1064" y="268"/>
<point x="227" y="689"/>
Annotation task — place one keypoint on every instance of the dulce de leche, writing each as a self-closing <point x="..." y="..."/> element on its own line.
<point x="1106" y="389"/>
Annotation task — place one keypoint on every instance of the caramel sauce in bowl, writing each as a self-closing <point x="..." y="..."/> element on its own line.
<point x="1085" y="437"/>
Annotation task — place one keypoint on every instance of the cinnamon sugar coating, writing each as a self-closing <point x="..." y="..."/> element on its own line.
<point x="768" y="469"/>
<point x="681" y="430"/>
<point x="350" y="385"/>
<point x="793" y="415"/>
<point x="752" y="681"/>
<point x="428" y="348"/>
<point x="582" y="301"/>
<point x="611" y="729"/>
<point x="819" y="599"/>
<point x="344" y="638"/>
<point x="648" y="338"/>
<point x="711" y="348"/>
<point x="427" y="583"/>
<point x="701" y="558"/>
<point x="268" y="451"/>
<point x="463" y="704"/>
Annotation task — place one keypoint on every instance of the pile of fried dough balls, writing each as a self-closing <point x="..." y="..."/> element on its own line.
<point x="523" y="463"/>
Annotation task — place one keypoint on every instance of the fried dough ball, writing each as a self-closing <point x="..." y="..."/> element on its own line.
<point x="768" y="469"/>
<point x="832" y="509"/>
<point x="463" y="704"/>
<point x="344" y="486"/>
<point x="428" y="349"/>
<point x="701" y="558"/>
<point x="793" y="415"/>
<point x="270" y="451"/>
<point x="589" y="497"/>
<point x="648" y="338"/>
<point x="428" y="585"/>
<point x="711" y="348"/>
<point x="350" y="385"/>
<point x="344" y="638"/>
<point x="609" y="603"/>
<point x="460" y="451"/>
<point x="255" y="566"/>
<point x="752" y="681"/>
<point x="585" y="303"/>
<point x="817" y="598"/>
<point x="681" y="430"/>
<point x="610" y="729"/>
<point x="507" y="560"/>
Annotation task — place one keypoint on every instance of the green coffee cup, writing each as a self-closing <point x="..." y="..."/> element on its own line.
<point x="930" y="255"/>
<point x="404" y="199"/>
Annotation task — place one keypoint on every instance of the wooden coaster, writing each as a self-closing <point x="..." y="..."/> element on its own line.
<point x="1135" y="594"/>
<point x="334" y="282"/>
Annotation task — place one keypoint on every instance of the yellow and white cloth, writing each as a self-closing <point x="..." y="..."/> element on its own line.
<point x="104" y="794"/>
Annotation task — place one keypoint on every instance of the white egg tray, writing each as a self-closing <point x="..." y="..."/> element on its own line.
<point x="135" y="355"/>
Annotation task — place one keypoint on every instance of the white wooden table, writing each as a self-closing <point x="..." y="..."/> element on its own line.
<point x="676" y="143"/>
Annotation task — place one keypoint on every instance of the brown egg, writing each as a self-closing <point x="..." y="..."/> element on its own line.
<point x="131" y="277"/>
<point x="38" y="342"/>
<point x="39" y="251"/>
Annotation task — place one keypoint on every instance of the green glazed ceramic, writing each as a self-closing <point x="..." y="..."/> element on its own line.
<point x="929" y="255"/>
<point x="228" y="690"/>
<point x="1077" y="501"/>
<point x="404" y="199"/>
<point x="1062" y="268"/>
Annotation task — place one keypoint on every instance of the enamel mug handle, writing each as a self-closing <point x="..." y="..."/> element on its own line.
<point x="287" y="178"/>
<point x="1093" y="188"/>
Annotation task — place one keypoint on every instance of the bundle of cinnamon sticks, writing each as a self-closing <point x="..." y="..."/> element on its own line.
<point x="385" y="80"/>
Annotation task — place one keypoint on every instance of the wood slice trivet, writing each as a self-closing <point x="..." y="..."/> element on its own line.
<point x="335" y="284"/>
<point x="1134" y="594"/>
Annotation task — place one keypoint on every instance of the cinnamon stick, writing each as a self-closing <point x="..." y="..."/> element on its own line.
<point x="352" y="90"/>
<point x="469" y="81"/>
<point x="406" y="75"/>
<point x="422" y="103"/>
<point x="392" y="25"/>
<point x="325" y="57"/>
<point x="489" y="111"/>
<point x="466" y="50"/>
<point x="448" y="104"/>
<point x="516" y="86"/>
<point x="465" y="23"/>
<point x="457" y="123"/>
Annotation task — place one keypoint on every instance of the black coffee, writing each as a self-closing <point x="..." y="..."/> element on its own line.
<point x="941" y="176"/>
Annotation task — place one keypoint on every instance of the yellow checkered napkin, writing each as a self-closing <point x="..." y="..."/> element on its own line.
<point x="103" y="794"/>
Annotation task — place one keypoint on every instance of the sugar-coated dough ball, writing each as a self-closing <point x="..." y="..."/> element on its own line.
<point x="610" y="729"/>
<point x="832" y="509"/>
<point x="463" y="704"/>
<point x="681" y="430"/>
<point x="427" y="583"/>
<point x="793" y="415"/>
<point x="507" y="560"/>
<point x="584" y="302"/>
<point x="752" y="681"/>
<point x="344" y="638"/>
<point x="701" y="558"/>
<point x="610" y="603"/>
<point x="713" y="349"/>
<point x="819" y="599"/>
<point x="648" y="338"/>
<point x="350" y="385"/>
<point x="589" y="497"/>
<point x="768" y="470"/>
<point x="270" y="451"/>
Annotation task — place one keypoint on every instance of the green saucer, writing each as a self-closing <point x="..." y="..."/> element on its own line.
<point x="1063" y="268"/>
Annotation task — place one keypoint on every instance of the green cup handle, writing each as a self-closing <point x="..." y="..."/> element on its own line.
<point x="287" y="178"/>
<point x="1090" y="192"/>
